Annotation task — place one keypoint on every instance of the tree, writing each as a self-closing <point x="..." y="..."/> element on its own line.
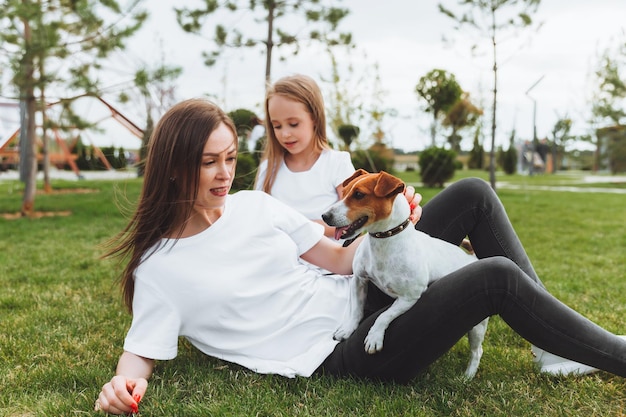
<point x="358" y="100"/>
<point x="462" y="114"/>
<point x="509" y="157"/>
<point x="377" y="111"/>
<point x="157" y="90"/>
<point x="477" y="154"/>
<point x="440" y="91"/>
<point x="345" y="103"/>
<point x="53" y="47"/>
<point x="243" y="120"/>
<point x="321" y="19"/>
<point x="348" y="133"/>
<point x="609" y="98"/>
<point x="492" y="18"/>
<point x="611" y="90"/>
<point x="560" y="137"/>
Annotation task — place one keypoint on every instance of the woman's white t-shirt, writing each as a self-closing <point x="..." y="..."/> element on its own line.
<point x="238" y="292"/>
<point x="311" y="192"/>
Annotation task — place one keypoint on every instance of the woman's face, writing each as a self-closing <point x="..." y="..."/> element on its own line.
<point x="219" y="158"/>
<point x="292" y="124"/>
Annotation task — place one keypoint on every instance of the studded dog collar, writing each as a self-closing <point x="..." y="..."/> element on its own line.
<point x="391" y="232"/>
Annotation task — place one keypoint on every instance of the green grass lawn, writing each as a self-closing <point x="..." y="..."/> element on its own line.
<point x="62" y="323"/>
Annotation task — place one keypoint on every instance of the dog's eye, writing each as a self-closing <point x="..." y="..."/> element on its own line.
<point x="358" y="195"/>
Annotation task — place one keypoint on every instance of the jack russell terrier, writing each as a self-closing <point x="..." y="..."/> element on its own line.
<point x="400" y="260"/>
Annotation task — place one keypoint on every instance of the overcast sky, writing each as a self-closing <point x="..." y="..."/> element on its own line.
<point x="405" y="39"/>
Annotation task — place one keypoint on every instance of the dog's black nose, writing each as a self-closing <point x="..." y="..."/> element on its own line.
<point x="327" y="217"/>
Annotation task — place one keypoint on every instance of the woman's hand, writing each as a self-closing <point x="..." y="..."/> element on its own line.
<point x="121" y="395"/>
<point x="414" y="200"/>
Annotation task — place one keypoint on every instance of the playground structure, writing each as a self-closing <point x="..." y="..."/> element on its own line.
<point x="63" y="154"/>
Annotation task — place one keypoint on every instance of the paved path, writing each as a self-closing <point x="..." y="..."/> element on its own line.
<point x="586" y="179"/>
<point x="575" y="179"/>
<point x="589" y="179"/>
<point x="71" y="176"/>
<point x="565" y="188"/>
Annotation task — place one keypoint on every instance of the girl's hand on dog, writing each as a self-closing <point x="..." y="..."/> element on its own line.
<point x="414" y="200"/>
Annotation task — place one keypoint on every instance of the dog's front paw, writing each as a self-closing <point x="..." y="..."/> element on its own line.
<point x="344" y="331"/>
<point x="374" y="341"/>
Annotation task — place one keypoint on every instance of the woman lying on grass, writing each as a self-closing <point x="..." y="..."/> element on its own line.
<point x="222" y="271"/>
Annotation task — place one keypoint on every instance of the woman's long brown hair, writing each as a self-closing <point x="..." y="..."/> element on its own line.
<point x="301" y="89"/>
<point x="170" y="184"/>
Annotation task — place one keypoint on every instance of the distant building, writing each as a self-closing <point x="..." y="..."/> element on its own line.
<point x="405" y="162"/>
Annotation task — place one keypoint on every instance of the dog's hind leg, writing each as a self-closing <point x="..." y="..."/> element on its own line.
<point x="476" y="336"/>
<point x="358" y="287"/>
<point x="376" y="334"/>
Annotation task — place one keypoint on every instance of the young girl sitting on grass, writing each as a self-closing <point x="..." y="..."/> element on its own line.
<point x="299" y="167"/>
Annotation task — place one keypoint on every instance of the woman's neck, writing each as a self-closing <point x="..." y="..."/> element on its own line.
<point x="200" y="220"/>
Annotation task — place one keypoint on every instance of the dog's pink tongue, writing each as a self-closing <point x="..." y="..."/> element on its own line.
<point x="339" y="232"/>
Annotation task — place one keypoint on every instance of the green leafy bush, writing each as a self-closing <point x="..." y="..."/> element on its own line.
<point x="476" y="156"/>
<point x="348" y="133"/>
<point x="245" y="172"/>
<point x="244" y="120"/>
<point x="437" y="165"/>
<point x="509" y="160"/>
<point x="375" y="159"/>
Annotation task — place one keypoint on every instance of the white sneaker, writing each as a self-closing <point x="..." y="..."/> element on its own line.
<point x="557" y="365"/>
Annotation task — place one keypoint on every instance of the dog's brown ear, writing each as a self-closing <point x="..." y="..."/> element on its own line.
<point x="388" y="185"/>
<point x="356" y="174"/>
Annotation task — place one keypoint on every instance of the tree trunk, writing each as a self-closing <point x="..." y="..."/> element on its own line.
<point x="143" y="150"/>
<point x="28" y="160"/>
<point x="492" y="153"/>
<point x="28" y="140"/>
<point x="269" y="43"/>
<point x="45" y="149"/>
<point x="433" y="131"/>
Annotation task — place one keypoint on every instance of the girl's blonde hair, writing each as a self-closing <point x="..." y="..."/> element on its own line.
<point x="302" y="89"/>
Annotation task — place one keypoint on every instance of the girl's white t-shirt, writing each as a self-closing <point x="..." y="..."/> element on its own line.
<point x="311" y="192"/>
<point x="238" y="292"/>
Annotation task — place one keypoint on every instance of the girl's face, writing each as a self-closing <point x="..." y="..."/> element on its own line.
<point x="217" y="171"/>
<point x="292" y="124"/>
